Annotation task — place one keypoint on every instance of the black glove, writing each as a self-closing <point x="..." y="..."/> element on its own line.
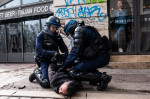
<point x="53" y="53"/>
<point x="62" y="58"/>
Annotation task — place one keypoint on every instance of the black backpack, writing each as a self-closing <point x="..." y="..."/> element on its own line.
<point x="105" y="41"/>
<point x="99" y="45"/>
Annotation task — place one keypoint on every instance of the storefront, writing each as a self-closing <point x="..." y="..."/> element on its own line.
<point x="21" y="21"/>
<point x="125" y="22"/>
<point x="129" y="26"/>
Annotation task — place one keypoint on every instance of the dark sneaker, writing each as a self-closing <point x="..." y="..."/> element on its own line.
<point x="106" y="81"/>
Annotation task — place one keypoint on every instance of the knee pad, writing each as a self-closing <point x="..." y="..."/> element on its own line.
<point x="45" y="83"/>
<point x="39" y="78"/>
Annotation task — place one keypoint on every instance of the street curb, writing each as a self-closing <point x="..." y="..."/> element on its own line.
<point x="78" y="95"/>
<point x="39" y="94"/>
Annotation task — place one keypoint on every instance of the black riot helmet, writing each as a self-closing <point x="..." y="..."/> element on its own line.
<point x="54" y="21"/>
<point x="70" y="26"/>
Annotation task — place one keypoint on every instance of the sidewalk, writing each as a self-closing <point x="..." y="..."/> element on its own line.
<point x="125" y="84"/>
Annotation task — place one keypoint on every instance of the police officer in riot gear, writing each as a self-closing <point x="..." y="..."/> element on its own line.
<point x="89" y="51"/>
<point x="48" y="43"/>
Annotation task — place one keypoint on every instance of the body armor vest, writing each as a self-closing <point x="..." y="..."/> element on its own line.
<point x="51" y="42"/>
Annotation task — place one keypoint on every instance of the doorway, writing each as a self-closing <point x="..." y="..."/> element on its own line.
<point x="14" y="42"/>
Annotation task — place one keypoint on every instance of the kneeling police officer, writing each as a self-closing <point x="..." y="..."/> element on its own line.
<point x="90" y="51"/>
<point x="48" y="43"/>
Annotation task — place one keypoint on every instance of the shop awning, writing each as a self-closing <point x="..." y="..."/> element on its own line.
<point x="26" y="11"/>
<point x="2" y="2"/>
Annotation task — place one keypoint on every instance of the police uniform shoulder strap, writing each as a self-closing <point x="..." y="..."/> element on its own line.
<point x="44" y="33"/>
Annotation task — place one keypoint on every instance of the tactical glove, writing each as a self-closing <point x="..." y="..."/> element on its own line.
<point x="53" y="53"/>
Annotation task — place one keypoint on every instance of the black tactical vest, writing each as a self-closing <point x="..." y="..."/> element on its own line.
<point x="51" y="42"/>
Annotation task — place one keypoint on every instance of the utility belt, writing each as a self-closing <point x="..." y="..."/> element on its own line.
<point x="94" y="49"/>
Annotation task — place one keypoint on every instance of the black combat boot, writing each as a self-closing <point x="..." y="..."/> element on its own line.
<point x="32" y="76"/>
<point x="105" y="79"/>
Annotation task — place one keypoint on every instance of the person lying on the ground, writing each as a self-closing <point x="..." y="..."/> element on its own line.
<point x="61" y="82"/>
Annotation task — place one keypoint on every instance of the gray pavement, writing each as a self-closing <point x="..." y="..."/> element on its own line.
<point x="125" y="84"/>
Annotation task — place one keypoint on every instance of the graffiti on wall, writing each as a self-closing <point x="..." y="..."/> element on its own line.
<point x="82" y="12"/>
<point x="98" y="1"/>
<point x="66" y="12"/>
<point x="68" y="2"/>
<point x="89" y="12"/>
<point x="84" y="1"/>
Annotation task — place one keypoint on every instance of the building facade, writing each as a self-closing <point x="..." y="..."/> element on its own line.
<point x="125" y="22"/>
<point x="20" y="22"/>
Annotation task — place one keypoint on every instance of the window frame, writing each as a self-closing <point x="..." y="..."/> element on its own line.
<point x="137" y="34"/>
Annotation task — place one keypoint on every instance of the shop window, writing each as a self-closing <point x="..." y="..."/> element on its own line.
<point x="14" y="38"/>
<point x="43" y="23"/>
<point x="29" y="1"/>
<point x="30" y="31"/>
<point x="2" y="39"/>
<point x="13" y="3"/>
<point x="146" y="5"/>
<point x="145" y="25"/>
<point x="121" y="25"/>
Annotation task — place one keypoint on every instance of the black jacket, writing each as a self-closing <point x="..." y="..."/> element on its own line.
<point x="89" y="36"/>
<point x="42" y="51"/>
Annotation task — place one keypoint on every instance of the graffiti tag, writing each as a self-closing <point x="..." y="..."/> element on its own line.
<point x="98" y="1"/>
<point x="68" y="2"/>
<point x="89" y="12"/>
<point x="66" y="12"/>
<point x="84" y="1"/>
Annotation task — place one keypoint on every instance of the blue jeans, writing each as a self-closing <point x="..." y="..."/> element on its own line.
<point x="44" y="69"/>
<point x="120" y="37"/>
<point x="92" y="65"/>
